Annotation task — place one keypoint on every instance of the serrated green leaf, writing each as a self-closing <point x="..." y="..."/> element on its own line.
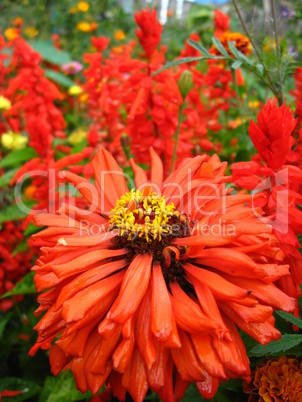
<point x="14" y="212"/>
<point x="24" y="287"/>
<point x="239" y="55"/>
<point x="59" y="78"/>
<point x="287" y="342"/>
<point x="17" y="384"/>
<point x="6" y="178"/>
<point x="290" y="318"/>
<point x="236" y="64"/>
<point x="185" y="60"/>
<point x="198" y="46"/>
<point x="51" y="53"/>
<point x="61" y="389"/>
<point x="219" y="46"/>
<point x="177" y="63"/>
<point x="18" y="156"/>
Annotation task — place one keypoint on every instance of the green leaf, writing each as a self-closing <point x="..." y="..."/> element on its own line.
<point x="17" y="384"/>
<point x="61" y="389"/>
<point x="238" y="55"/>
<point x="31" y="229"/>
<point x="59" y="78"/>
<point x="198" y="46"/>
<point x="290" y="318"/>
<point x="287" y="342"/>
<point x="51" y="53"/>
<point x="219" y="46"/>
<point x="24" y="287"/>
<point x="18" y="156"/>
<point x="185" y="60"/>
<point x="3" y="323"/>
<point x="6" y="178"/>
<point x="14" y="212"/>
<point x="236" y="64"/>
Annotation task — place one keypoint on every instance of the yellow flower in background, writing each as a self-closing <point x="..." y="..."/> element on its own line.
<point x="77" y="136"/>
<point x="83" y="6"/>
<point x="75" y="90"/>
<point x="29" y="192"/>
<point x="18" y="22"/>
<point x="117" y="49"/>
<point x="93" y="26"/>
<point x="4" y="103"/>
<point x="12" y="141"/>
<point x="72" y="10"/>
<point x="11" y="33"/>
<point x="83" y="26"/>
<point x="30" y="32"/>
<point x="83" y="98"/>
<point x="254" y="104"/>
<point x="119" y="35"/>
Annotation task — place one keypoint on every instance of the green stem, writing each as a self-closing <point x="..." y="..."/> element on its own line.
<point x="177" y="136"/>
<point x="5" y="123"/>
<point x="274" y="89"/>
<point x="280" y="98"/>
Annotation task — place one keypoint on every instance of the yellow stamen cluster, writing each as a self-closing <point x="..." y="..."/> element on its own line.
<point x="137" y="214"/>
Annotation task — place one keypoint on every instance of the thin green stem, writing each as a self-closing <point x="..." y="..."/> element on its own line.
<point x="177" y="136"/>
<point x="5" y="123"/>
<point x="273" y="3"/>
<point x="276" y="92"/>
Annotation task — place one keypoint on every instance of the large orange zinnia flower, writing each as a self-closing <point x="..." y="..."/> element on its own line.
<point x="146" y="289"/>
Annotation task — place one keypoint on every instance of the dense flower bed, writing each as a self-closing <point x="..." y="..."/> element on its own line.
<point x="153" y="210"/>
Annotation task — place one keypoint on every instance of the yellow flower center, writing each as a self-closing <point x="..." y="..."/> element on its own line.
<point x="143" y="214"/>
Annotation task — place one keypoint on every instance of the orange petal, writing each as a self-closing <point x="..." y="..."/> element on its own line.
<point x="157" y="170"/>
<point x="104" y="353"/>
<point x="58" y="359"/>
<point x="208" y="304"/>
<point x="133" y="288"/>
<point x="123" y="354"/>
<point x="185" y="360"/>
<point x="140" y="175"/>
<point x="207" y="355"/>
<point x="218" y="285"/>
<point x="188" y="314"/>
<point x="75" y="308"/>
<point x="156" y="375"/>
<point x="85" y="187"/>
<point x="96" y="313"/>
<point x="144" y="337"/>
<point x="135" y="379"/>
<point x="208" y="387"/>
<point x="262" y="332"/>
<point x="86" y="279"/>
<point x="82" y="262"/>
<point x="268" y="294"/>
<point x="161" y="310"/>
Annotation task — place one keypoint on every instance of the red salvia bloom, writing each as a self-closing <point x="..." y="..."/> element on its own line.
<point x="271" y="136"/>
<point x="149" y="34"/>
<point x="221" y="22"/>
<point x="146" y="288"/>
<point x="12" y="267"/>
<point x="273" y="171"/>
